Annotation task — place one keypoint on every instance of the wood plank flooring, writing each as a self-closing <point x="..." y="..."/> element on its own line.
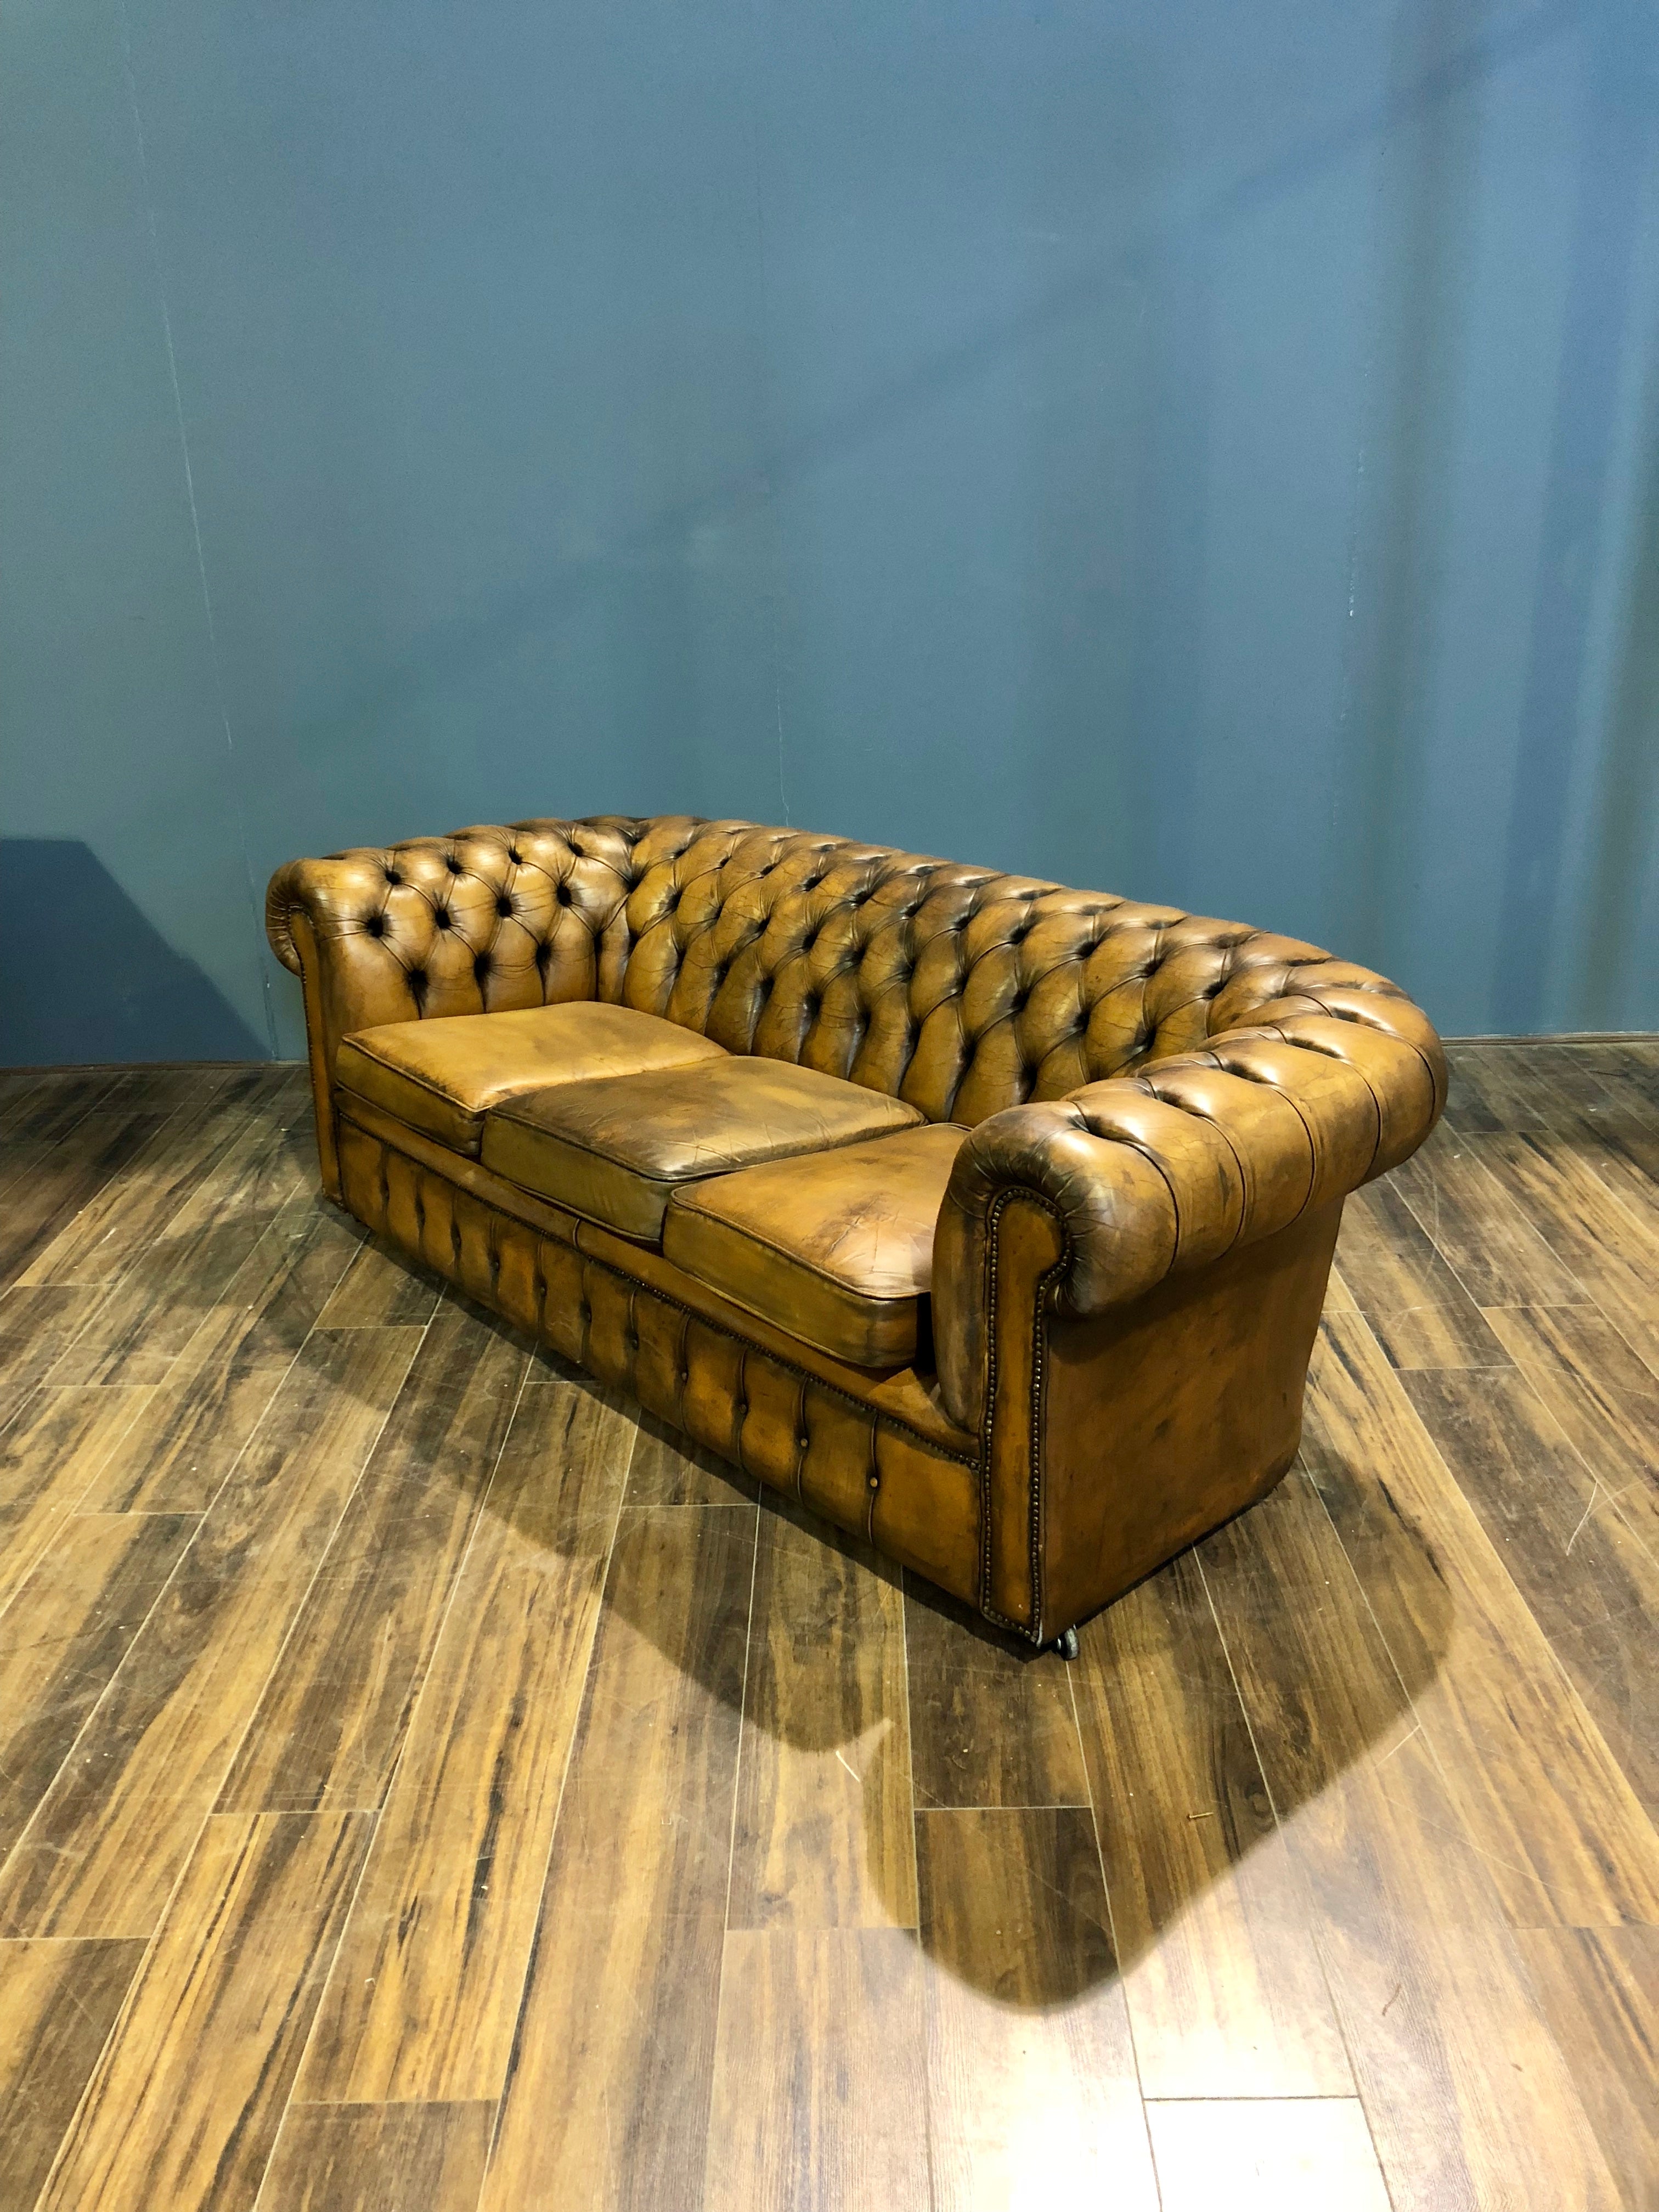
<point x="423" y="1785"/>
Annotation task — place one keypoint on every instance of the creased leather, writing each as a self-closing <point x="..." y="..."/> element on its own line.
<point x="616" y="1151"/>
<point x="842" y="1241"/>
<point x="1264" y="1126"/>
<point x="1165" y="1113"/>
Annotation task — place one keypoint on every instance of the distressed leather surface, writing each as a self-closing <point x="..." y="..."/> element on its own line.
<point x="959" y="989"/>
<point x="1168" y="1170"/>
<point x="443" y="1076"/>
<point x="1165" y="1113"/>
<point x="841" y="1451"/>
<point x="842" y="1242"/>
<point x="617" y="1150"/>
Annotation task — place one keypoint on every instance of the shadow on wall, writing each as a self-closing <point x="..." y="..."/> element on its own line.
<point x="85" y="977"/>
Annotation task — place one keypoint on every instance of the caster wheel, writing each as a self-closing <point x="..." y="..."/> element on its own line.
<point x="1066" y="1644"/>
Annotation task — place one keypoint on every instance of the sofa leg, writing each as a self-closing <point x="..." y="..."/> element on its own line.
<point x="1066" y="1644"/>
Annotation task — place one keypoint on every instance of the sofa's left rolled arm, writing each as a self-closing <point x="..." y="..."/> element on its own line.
<point x="1126" y="1182"/>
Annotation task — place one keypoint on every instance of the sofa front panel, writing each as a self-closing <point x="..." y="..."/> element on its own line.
<point x="879" y="1480"/>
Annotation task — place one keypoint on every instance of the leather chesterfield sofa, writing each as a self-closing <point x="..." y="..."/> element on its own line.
<point x="991" y="1220"/>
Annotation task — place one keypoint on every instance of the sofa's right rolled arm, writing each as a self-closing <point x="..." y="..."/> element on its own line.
<point x="1141" y="1177"/>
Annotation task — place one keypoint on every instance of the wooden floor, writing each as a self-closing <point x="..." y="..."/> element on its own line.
<point x="422" y="1787"/>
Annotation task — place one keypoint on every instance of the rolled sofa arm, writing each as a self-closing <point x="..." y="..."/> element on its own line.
<point x="1156" y="1174"/>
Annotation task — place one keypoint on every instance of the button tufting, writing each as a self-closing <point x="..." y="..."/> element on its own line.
<point x="504" y="906"/>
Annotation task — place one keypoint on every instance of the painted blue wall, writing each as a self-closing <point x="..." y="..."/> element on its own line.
<point x="1202" y="452"/>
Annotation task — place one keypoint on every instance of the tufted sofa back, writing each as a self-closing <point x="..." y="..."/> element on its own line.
<point x="958" y="989"/>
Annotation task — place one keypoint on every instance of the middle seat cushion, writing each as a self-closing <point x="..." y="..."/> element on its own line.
<point x="616" y="1150"/>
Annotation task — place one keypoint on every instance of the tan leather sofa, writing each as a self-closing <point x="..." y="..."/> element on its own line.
<point x="989" y="1219"/>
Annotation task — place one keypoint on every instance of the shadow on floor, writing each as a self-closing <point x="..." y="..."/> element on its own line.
<point x="87" y="979"/>
<point x="1061" y="1975"/>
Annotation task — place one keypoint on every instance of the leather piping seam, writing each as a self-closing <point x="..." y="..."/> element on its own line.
<point x="673" y="1183"/>
<point x="872" y="1413"/>
<point x="1032" y="1631"/>
<point x="406" y="1075"/>
<point x="688" y="1204"/>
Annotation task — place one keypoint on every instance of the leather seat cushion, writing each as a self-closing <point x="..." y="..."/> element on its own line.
<point x="616" y="1151"/>
<point x="442" y="1077"/>
<point x="838" y="1248"/>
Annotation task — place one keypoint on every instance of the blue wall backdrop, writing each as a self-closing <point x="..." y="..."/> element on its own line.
<point x="1204" y="451"/>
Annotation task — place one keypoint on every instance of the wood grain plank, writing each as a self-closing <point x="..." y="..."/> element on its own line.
<point x="50" y="1457"/>
<point x="669" y="1469"/>
<point x="608" y="2093"/>
<point x="131" y="1209"/>
<point x="40" y="1210"/>
<point x="1521" y="1085"/>
<point x="1220" y="1969"/>
<point x="1420" y="1313"/>
<point x="36" y="1325"/>
<point x="103" y="1852"/>
<point x="1495" y="1252"/>
<point x="1621" y="1146"/>
<point x="1604" y="1398"/>
<point x="1612" y="1248"/>
<point x="1266" y="2154"/>
<point x="380" y="1289"/>
<point x="162" y="1294"/>
<point x="65" y="1635"/>
<point x="1465" y="2089"/>
<point x="57" y="2004"/>
<point x="423" y="2001"/>
<point x="1599" y="1989"/>
<point x="820" y="2077"/>
<point x="1591" y="1586"/>
<point x="379" y="2158"/>
<point x="331" y="1722"/>
<point x="44" y="1105"/>
<point x="235" y="1970"/>
<point x="192" y="1427"/>
<point x="1535" y="1784"/>
<point x="990" y="1724"/>
<point x="824" y="1824"/>
<point x="1032" y="2092"/>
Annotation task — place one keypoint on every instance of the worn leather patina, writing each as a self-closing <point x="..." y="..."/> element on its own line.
<point x="1024" y="1293"/>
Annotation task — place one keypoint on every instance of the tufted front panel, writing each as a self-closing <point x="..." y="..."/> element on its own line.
<point x="959" y="990"/>
<point x="878" y="1477"/>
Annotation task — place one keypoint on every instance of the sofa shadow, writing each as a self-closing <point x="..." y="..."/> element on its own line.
<point x="87" y="979"/>
<point x="1079" y="1953"/>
